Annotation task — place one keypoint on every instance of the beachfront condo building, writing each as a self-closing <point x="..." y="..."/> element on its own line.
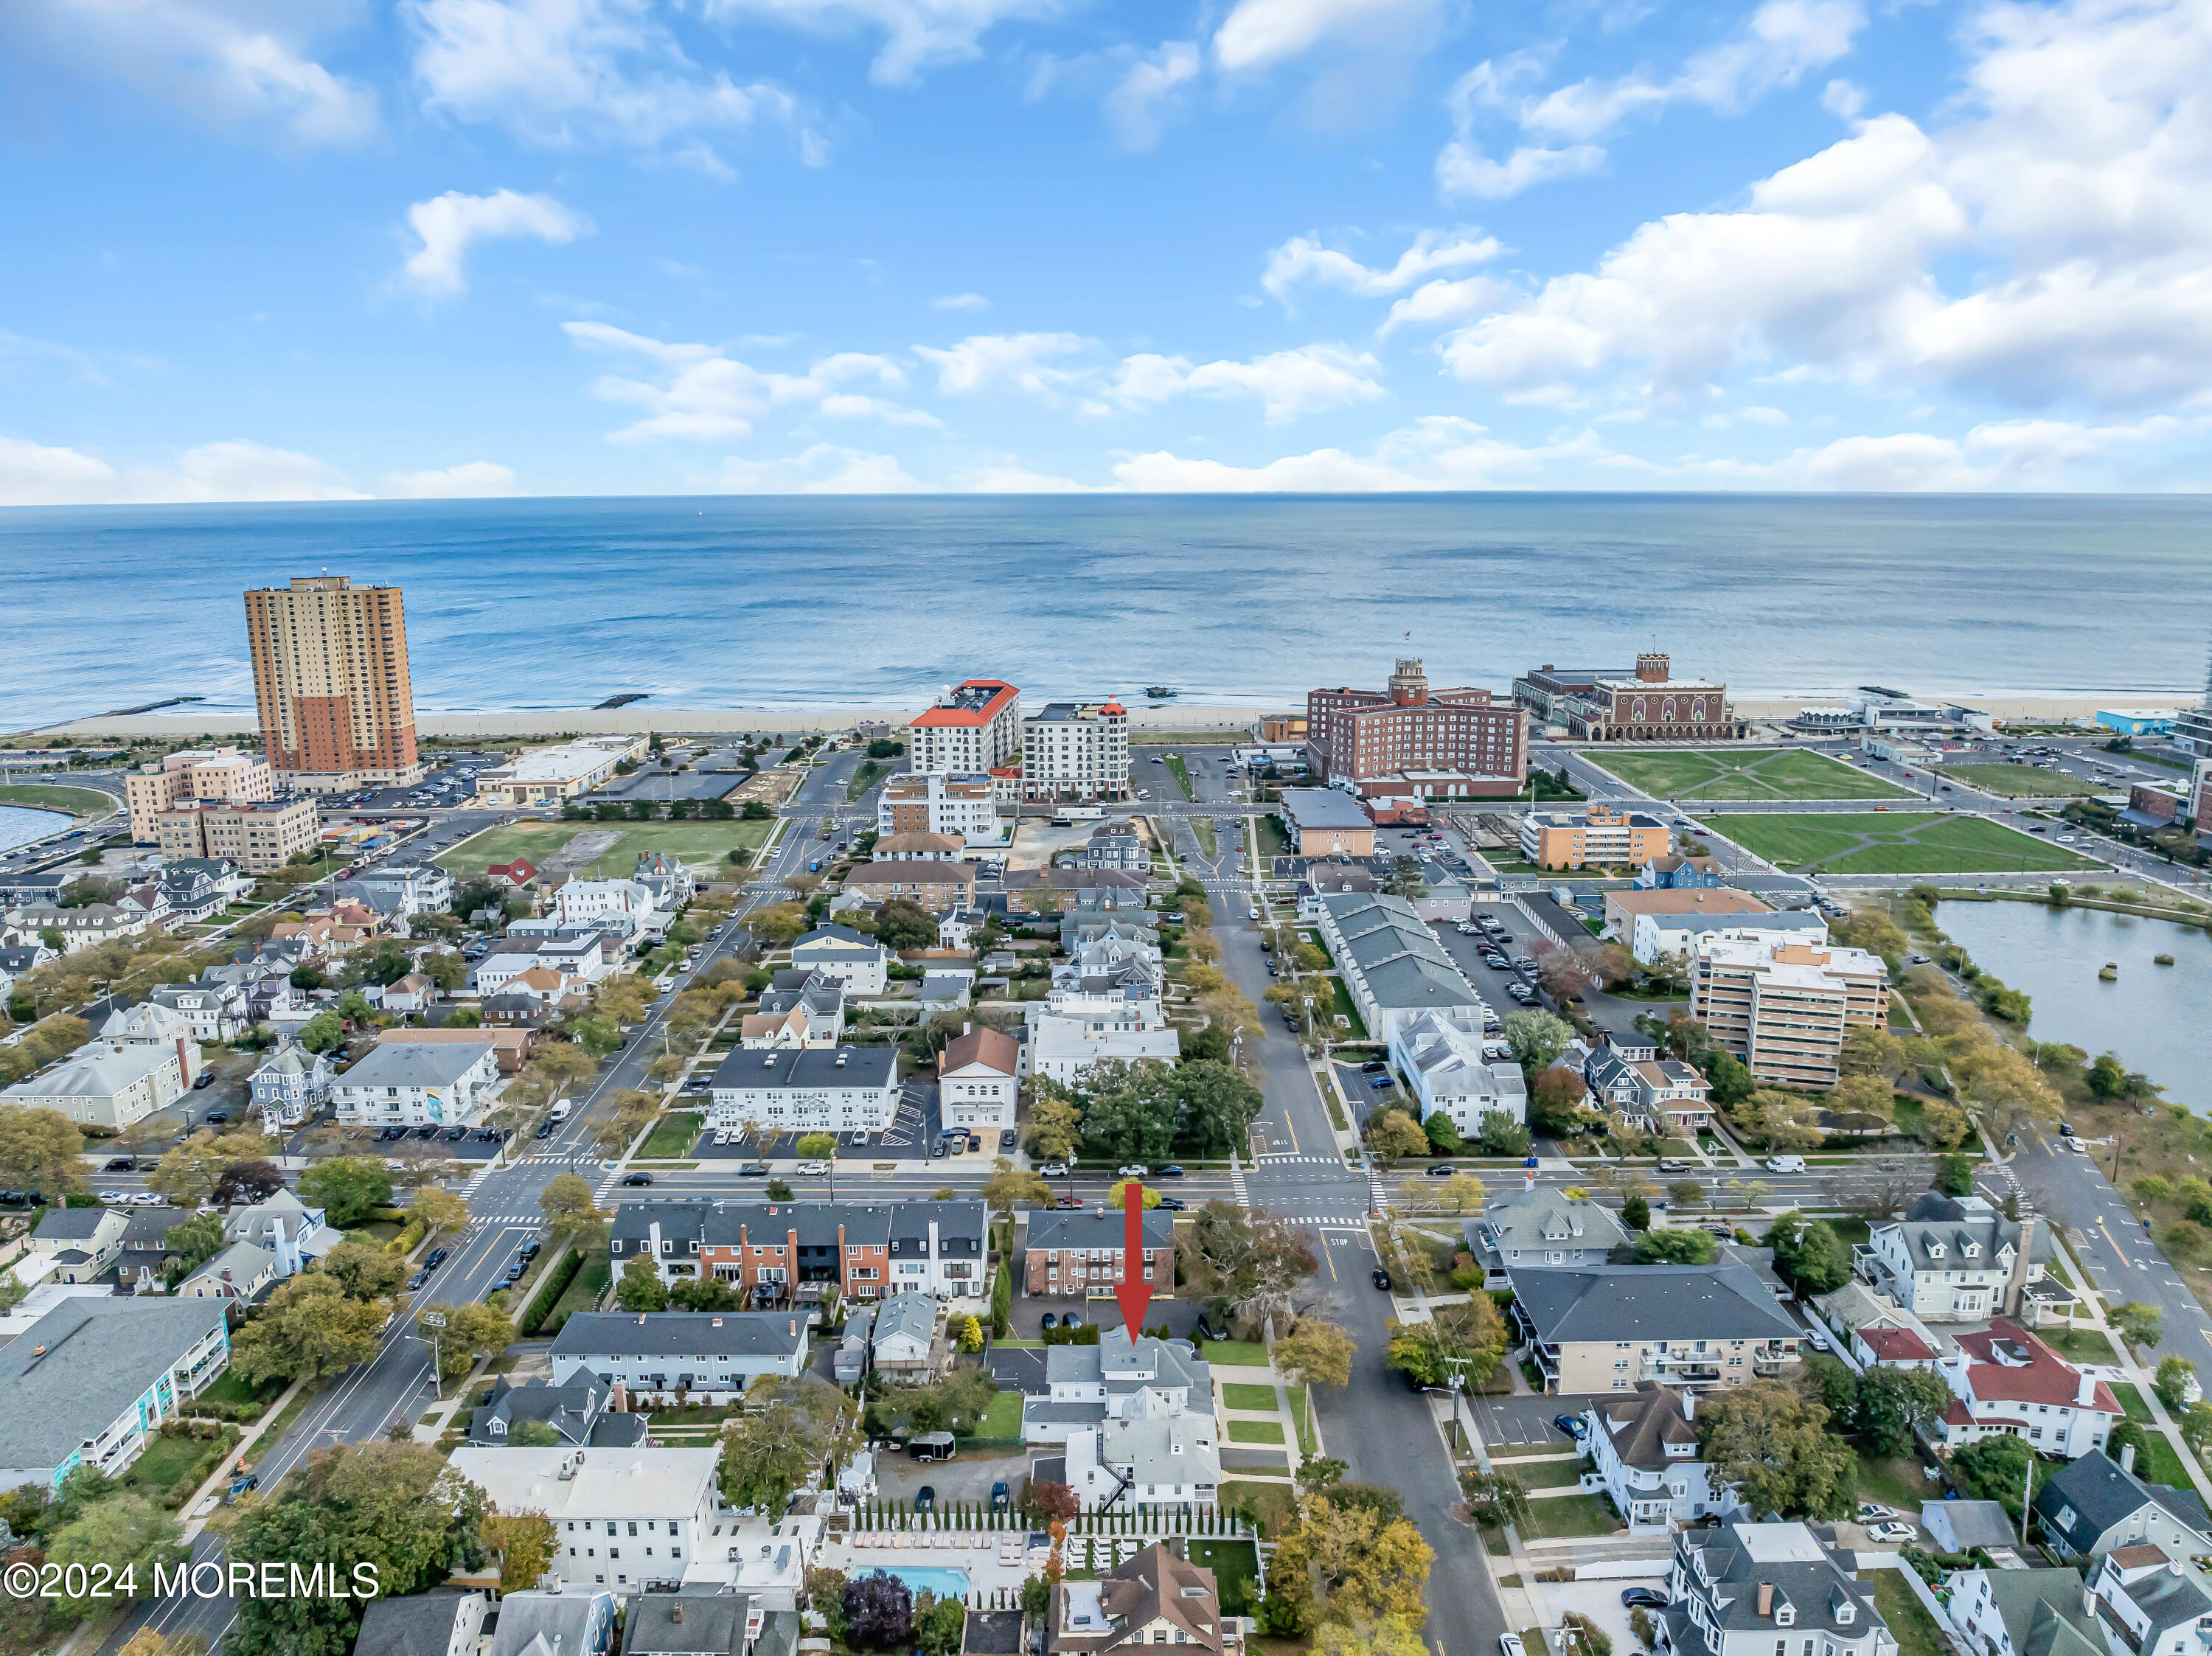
<point x="974" y="728"/>
<point x="936" y="803"/>
<point x="1076" y="750"/>
<point x="330" y="680"/>
<point x="214" y="774"/>
<point x="1603" y="836"/>
<point x="1784" y="1008"/>
<point x="255" y="836"/>
<point x="1414" y="743"/>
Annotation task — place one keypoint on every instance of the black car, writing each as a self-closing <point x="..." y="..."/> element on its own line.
<point x="1374" y="1066"/>
<point x="755" y="1170"/>
<point x="121" y="1164"/>
<point x="1170" y="1204"/>
<point x="639" y="1179"/>
<point x="1642" y="1598"/>
<point x="426" y="1133"/>
<point x="1006" y="1138"/>
<point x="1382" y="1277"/>
<point x="417" y="1280"/>
<point x="529" y="1250"/>
<point x="454" y="1135"/>
<point x="216" y="1115"/>
<point x="387" y="1136"/>
<point x="1442" y="1170"/>
<point x="1173" y="1170"/>
<point x="434" y="1258"/>
<point x="546" y="1130"/>
<point x="206" y="1078"/>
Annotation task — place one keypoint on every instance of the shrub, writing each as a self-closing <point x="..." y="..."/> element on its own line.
<point x="550" y="1291"/>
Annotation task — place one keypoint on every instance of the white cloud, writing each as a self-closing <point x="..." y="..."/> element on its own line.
<point x="1019" y="480"/>
<point x="1140" y="102"/>
<point x="1303" y="258"/>
<point x="474" y="479"/>
<point x="447" y="226"/>
<point x="1286" y="384"/>
<point x="1440" y="451"/>
<point x="33" y="474"/>
<point x="961" y="302"/>
<point x="1433" y="304"/>
<point x="1259" y="33"/>
<point x="918" y="35"/>
<point x="698" y="392"/>
<point x="824" y="468"/>
<point x="1022" y="360"/>
<point x="557" y="71"/>
<point x="1464" y="171"/>
<point x="236" y="64"/>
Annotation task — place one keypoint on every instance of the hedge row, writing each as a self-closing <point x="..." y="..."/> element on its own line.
<point x="550" y="1291"/>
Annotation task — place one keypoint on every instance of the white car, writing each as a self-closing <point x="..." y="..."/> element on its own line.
<point x="113" y="1196"/>
<point x="1134" y="1170"/>
<point x="1816" y="1339"/>
<point x="149" y="1199"/>
<point x="1890" y="1532"/>
<point x="1508" y="1644"/>
<point x="813" y="1169"/>
<point x="1053" y="1170"/>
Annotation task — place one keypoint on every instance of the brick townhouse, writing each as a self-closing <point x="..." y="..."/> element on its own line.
<point x="774" y="1252"/>
<point x="1074" y="1252"/>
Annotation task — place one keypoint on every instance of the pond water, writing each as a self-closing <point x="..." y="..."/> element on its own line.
<point x="2157" y="1018"/>
<point x="19" y="825"/>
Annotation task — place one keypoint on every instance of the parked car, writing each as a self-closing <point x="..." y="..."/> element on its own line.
<point x="530" y="1250"/>
<point x="1173" y="1170"/>
<point x="1051" y="1321"/>
<point x="1373" y="1066"/>
<point x="1055" y="1170"/>
<point x="1873" y="1511"/>
<point x="417" y="1280"/>
<point x="1381" y="1081"/>
<point x="1442" y="1170"/>
<point x="753" y="1170"/>
<point x="1380" y="1277"/>
<point x="639" y="1180"/>
<point x="925" y="1498"/>
<point x="1006" y="1138"/>
<point x="1573" y="1425"/>
<point x="205" y="1078"/>
<point x="1000" y="1497"/>
<point x="434" y="1258"/>
<point x="1642" y="1598"/>
<point x="1896" y="1534"/>
<point x="224" y="1115"/>
<point x="1508" y="1644"/>
<point x="121" y="1164"/>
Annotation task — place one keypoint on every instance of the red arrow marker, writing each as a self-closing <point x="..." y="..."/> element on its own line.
<point x="1133" y="1291"/>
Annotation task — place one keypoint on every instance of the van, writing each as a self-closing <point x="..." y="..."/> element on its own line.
<point x="1785" y="1164"/>
<point x="559" y="1112"/>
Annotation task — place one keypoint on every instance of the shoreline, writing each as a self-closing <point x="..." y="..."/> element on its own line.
<point x="1171" y="717"/>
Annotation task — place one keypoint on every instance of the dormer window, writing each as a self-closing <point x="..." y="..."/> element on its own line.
<point x="1786" y="1615"/>
<point x="1846" y="1613"/>
<point x="1934" y="1250"/>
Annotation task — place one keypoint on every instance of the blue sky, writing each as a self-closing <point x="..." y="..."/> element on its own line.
<point x="302" y="249"/>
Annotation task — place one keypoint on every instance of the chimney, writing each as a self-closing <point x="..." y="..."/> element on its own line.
<point x="2017" y="1284"/>
<point x="2127" y="1457"/>
<point x="966" y="1029"/>
<point x="1689" y="1404"/>
<point x="676" y="1612"/>
<point x="1766" y="1598"/>
<point x="2088" y="1393"/>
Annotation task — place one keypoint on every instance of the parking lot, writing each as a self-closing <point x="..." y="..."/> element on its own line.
<point x="910" y="1138"/>
<point x="1508" y="1422"/>
<point x="899" y="1478"/>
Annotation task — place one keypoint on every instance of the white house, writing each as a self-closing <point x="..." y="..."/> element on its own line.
<point x="214" y="1011"/>
<point x="442" y="1085"/>
<point x="1391" y="963"/>
<point x="860" y="963"/>
<point x="905" y="1335"/>
<point x="1155" y="1453"/>
<point x="939" y="1248"/>
<point x="1541" y="1225"/>
<point x="2152" y="1604"/>
<point x="1086" y="1385"/>
<point x="2024" y="1612"/>
<point x="707" y="1357"/>
<point x="104" y="1084"/>
<point x="239" y="1272"/>
<point x="1756" y="1589"/>
<point x="1071" y="1029"/>
<point x="1440" y="1055"/>
<point x="622" y="1517"/>
<point x="2004" y="1381"/>
<point x="1953" y="1259"/>
<point x="417" y="887"/>
<point x="150" y="1023"/>
<point x="295" y="1234"/>
<point x="978" y="1082"/>
<point x="1645" y="1448"/>
<point x="807" y="1089"/>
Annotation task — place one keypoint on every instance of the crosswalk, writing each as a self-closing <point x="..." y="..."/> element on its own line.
<point x="1275" y="1161"/>
<point x="1236" y="1187"/>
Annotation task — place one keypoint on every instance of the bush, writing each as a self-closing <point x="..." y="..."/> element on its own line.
<point x="550" y="1291"/>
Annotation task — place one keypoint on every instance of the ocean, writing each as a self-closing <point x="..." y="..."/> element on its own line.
<point x="726" y="602"/>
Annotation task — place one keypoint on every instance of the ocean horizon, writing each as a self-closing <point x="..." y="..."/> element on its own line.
<point x="767" y="602"/>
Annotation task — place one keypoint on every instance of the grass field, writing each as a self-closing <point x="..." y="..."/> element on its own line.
<point x="1870" y="844"/>
<point x="1569" y="1514"/>
<point x="1004" y="1417"/>
<point x="2025" y="781"/>
<point x="672" y="1136"/>
<point x="1255" y="1431"/>
<point x="1755" y="774"/>
<point x="1904" y="1616"/>
<point x="1203" y="827"/>
<point x="1276" y="1505"/>
<point x="698" y="843"/>
<point x="1233" y="1564"/>
<point x="1550" y="1475"/>
<point x="1182" y="774"/>
<point x="1238" y="1354"/>
<point x="1255" y="1398"/>
<point x="49" y="796"/>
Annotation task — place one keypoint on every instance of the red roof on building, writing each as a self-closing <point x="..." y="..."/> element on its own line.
<point x="1002" y="693"/>
<point x="1115" y="710"/>
<point x="2045" y="1378"/>
<point x="521" y="871"/>
<point x="1891" y="1344"/>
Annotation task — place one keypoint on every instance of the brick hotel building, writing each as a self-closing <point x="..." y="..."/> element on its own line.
<point x="1414" y="742"/>
<point x="330" y="681"/>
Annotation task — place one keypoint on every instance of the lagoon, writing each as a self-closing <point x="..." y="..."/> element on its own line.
<point x="2157" y="1018"/>
<point x="19" y="825"/>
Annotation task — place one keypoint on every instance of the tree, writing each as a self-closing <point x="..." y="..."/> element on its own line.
<point x="1055" y="1123"/>
<point x="524" y="1542"/>
<point x="1993" y="1468"/>
<point x="1872" y="1052"/>
<point x="1315" y="1353"/>
<point x="1393" y="1635"/>
<point x="193" y="1242"/>
<point x="1118" y="1197"/>
<point x="2173" y="1373"/>
<point x="878" y="1611"/>
<point x="939" y="1627"/>
<point x="188" y="1174"/>
<point x="396" y="1507"/>
<point x="790" y="1427"/>
<point x="1359" y="1565"/>
<point x="346" y="1187"/>
<point x="1772" y="1446"/>
<point x="1009" y="1185"/>
<point x="567" y="1205"/>
<point x="1862" y="1103"/>
<point x="1462" y="1193"/>
<point x="247" y="1182"/>
<point x="532" y="1434"/>
<point x="1809" y="1256"/>
<point x="40" y="1150"/>
<point x="903" y="923"/>
<point x="1684" y="1193"/>
<point x="1676" y="1247"/>
<point x="2139" y="1323"/>
<point x="966" y="1332"/>
<point x="640" y="1288"/>
<point x="322" y="1032"/>
<point x="440" y="1210"/>
<point x="1728" y="1081"/>
<point x="1942" y="1125"/>
<point x="1249" y="1260"/>
<point x="1954" y="1176"/>
<point x="310" y="1327"/>
<point x="1393" y="1134"/>
<point x="1555" y="1101"/>
<point x="1494" y="1499"/>
<point x="1636" y="1212"/>
<point x="1536" y="1039"/>
<point x="1215" y="1105"/>
<point x="1459" y="1346"/>
<point x="124" y="1531"/>
<point x="1894" y="1403"/>
<point x="1443" y="1136"/>
<point x="696" y="1293"/>
<point x="364" y="1273"/>
<point x="1783" y="1121"/>
<point x="471" y="1331"/>
<point x="1503" y="1136"/>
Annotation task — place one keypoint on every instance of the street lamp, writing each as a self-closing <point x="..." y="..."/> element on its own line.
<point x="433" y="1320"/>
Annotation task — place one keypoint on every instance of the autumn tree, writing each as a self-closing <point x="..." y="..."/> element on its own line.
<point x="1771" y="1446"/>
<point x="1315" y="1353"/>
<point x="567" y="1205"/>
<point x="1358" y="1565"/>
<point x="364" y="1273"/>
<point x="1248" y="1259"/>
<point x="440" y="1210"/>
<point x="1393" y="1135"/>
<point x="640" y="1288"/>
<point x="473" y="1331"/>
<point x="188" y="1174"/>
<point x="1459" y="1346"/>
<point x="1008" y="1186"/>
<point x="310" y="1327"/>
<point x="524" y="1542"/>
<point x="790" y="1427"/>
<point x="40" y="1150"/>
<point x="346" y="1187"/>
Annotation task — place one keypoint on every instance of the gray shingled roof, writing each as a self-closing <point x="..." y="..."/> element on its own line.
<point x="681" y="1334"/>
<point x="1724" y="1301"/>
<point x="1051" y="1228"/>
<point x="71" y="1373"/>
<point x="411" y="1063"/>
<point x="420" y="1624"/>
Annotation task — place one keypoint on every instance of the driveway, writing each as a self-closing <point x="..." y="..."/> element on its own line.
<point x="967" y="1478"/>
<point x="1509" y="1420"/>
<point x="1600" y="1602"/>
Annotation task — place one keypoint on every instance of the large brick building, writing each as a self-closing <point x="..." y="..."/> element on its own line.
<point x="1648" y="704"/>
<point x="1081" y="1251"/>
<point x="1412" y="741"/>
<point x="330" y="681"/>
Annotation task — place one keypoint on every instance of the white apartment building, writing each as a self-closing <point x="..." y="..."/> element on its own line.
<point x="978" y="1081"/>
<point x="933" y="802"/>
<point x="441" y="1085"/>
<point x="807" y="1089"/>
<point x="2152" y="1604"/>
<point x="420" y="888"/>
<point x="2006" y="1382"/>
<point x="622" y="1517"/>
<point x="592" y="902"/>
<point x="1439" y="1054"/>
<point x="1073" y="1028"/>
<point x="1646" y="1447"/>
<point x="1783" y="1008"/>
<point x="111" y="1084"/>
<point x="542" y="774"/>
<point x="94" y="1377"/>
<point x="1076" y="750"/>
<point x="939" y="1248"/>
<point x="973" y="727"/>
<point x="860" y="963"/>
<point x="213" y="774"/>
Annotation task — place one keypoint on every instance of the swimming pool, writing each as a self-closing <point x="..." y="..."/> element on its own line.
<point x="940" y="1579"/>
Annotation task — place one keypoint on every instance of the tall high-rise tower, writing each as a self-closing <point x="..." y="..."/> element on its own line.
<point x="330" y="680"/>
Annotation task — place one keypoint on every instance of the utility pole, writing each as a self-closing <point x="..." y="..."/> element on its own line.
<point x="435" y="1320"/>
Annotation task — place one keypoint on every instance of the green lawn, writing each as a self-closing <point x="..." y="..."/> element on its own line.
<point x="2131" y="1399"/>
<point x="1246" y="1397"/>
<point x="1302" y="1417"/>
<point x="865" y="778"/>
<point x="1867" y="843"/>
<point x="1203" y="827"/>
<point x="1255" y="1431"/>
<point x="1896" y="1482"/>
<point x="1903" y="1613"/>
<point x="2157" y="1463"/>
<point x="672" y="1136"/>
<point x="698" y="843"/>
<point x="1181" y="775"/>
<point x="1003" y="1419"/>
<point x="1753" y="774"/>
<point x="1238" y="1354"/>
<point x="583" y="1293"/>
<point x="1276" y="1505"/>
<point x="48" y="796"/>
<point x="2025" y="781"/>
<point x="1233" y="1564"/>
<point x="228" y="1388"/>
<point x="1344" y="1009"/>
<point x="1571" y="1514"/>
<point x="2084" y="1345"/>
<point x="1273" y="842"/>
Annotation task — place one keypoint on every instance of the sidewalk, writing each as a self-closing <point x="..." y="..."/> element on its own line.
<point x="220" y="1482"/>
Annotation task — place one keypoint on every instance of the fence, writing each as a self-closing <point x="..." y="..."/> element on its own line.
<point x="1149" y="1520"/>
